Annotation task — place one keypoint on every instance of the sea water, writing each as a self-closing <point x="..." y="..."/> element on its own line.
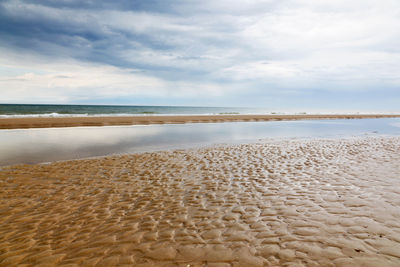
<point x="30" y="110"/>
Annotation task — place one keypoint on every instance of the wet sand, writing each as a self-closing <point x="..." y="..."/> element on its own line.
<point x="47" y="122"/>
<point x="288" y="202"/>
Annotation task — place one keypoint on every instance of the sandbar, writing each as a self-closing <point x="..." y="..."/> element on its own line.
<point x="274" y="203"/>
<point x="48" y="122"/>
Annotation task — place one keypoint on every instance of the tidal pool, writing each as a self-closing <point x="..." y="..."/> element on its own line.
<point x="52" y="144"/>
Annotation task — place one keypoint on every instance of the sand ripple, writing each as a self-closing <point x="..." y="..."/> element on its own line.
<point x="290" y="203"/>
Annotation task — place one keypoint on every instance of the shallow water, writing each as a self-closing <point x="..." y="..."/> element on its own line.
<point x="53" y="144"/>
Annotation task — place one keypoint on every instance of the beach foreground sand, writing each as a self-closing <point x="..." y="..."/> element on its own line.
<point x="288" y="202"/>
<point x="47" y="122"/>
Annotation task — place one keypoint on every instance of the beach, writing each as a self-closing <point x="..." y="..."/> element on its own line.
<point x="294" y="202"/>
<point x="199" y="133"/>
<point x="48" y="122"/>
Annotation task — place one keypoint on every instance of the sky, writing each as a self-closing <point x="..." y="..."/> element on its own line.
<point x="301" y="55"/>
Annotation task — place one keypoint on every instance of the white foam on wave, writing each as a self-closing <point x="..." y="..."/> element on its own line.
<point x="44" y="115"/>
<point x="58" y="115"/>
<point x="63" y="115"/>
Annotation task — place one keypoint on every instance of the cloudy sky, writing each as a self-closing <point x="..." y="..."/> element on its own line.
<point x="278" y="54"/>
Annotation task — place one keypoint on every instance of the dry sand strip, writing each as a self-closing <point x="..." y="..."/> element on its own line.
<point x="47" y="122"/>
<point x="279" y="203"/>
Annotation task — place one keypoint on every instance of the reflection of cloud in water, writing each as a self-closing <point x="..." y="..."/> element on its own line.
<point x="333" y="122"/>
<point x="38" y="145"/>
<point x="100" y="135"/>
<point x="78" y="136"/>
<point x="396" y="124"/>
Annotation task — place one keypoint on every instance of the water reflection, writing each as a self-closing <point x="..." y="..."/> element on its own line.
<point x="44" y="145"/>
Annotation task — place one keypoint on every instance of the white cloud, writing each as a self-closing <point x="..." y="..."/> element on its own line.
<point x="42" y="81"/>
<point x="306" y="42"/>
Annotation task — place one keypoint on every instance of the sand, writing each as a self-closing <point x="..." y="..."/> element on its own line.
<point x="47" y="122"/>
<point x="278" y="203"/>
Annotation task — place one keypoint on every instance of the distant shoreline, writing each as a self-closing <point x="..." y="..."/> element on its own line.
<point x="51" y="122"/>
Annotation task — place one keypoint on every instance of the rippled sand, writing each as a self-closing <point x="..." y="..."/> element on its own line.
<point x="291" y="203"/>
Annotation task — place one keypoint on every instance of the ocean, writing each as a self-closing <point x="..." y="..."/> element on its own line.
<point x="34" y="110"/>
